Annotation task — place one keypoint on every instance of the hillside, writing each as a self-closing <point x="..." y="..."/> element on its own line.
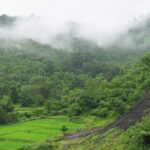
<point x="85" y="97"/>
<point x="129" y="131"/>
<point x="33" y="74"/>
<point x="134" y="115"/>
<point x="129" y="128"/>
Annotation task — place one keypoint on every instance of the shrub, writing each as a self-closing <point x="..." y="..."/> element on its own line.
<point x="100" y="112"/>
<point x="64" y="129"/>
<point x="38" y="112"/>
<point x="12" y="117"/>
<point x="145" y="138"/>
<point x="74" y="110"/>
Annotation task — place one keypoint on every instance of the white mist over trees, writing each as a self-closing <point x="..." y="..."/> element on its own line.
<point x="63" y="34"/>
<point x="97" y="20"/>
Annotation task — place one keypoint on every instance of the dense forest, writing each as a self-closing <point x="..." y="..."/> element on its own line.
<point x="91" y="80"/>
<point x="63" y="82"/>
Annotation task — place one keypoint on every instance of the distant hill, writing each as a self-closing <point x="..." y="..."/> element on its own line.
<point x="137" y="37"/>
<point x="6" y="20"/>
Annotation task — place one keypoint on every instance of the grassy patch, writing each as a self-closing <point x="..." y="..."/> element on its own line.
<point x="93" y="121"/>
<point x="16" y="135"/>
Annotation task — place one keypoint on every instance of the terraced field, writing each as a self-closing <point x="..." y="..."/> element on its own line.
<point x="16" y="135"/>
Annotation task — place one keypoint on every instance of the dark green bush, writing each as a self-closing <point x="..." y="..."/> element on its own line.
<point x="100" y="112"/>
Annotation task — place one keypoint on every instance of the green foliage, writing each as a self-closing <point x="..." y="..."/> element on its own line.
<point x="27" y="96"/>
<point x="73" y="83"/>
<point x="100" y="112"/>
<point x="6" y="111"/>
<point x="74" y="110"/>
<point x="39" y="146"/>
<point x="64" y="129"/>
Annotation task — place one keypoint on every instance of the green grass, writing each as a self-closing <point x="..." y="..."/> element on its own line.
<point x="16" y="135"/>
<point x="93" y="121"/>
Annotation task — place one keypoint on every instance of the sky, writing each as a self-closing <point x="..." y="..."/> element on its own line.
<point x="78" y="10"/>
<point x="98" y="18"/>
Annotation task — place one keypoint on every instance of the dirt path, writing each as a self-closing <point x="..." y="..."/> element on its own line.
<point x="129" y="118"/>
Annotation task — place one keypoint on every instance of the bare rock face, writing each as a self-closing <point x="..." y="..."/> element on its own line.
<point x="134" y="114"/>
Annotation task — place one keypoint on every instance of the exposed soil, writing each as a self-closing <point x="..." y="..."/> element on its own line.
<point x="126" y="120"/>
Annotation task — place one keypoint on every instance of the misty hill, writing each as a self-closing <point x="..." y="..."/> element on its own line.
<point x="137" y="37"/>
<point x="6" y="20"/>
<point x="84" y="79"/>
<point x="30" y="68"/>
<point x="41" y="75"/>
